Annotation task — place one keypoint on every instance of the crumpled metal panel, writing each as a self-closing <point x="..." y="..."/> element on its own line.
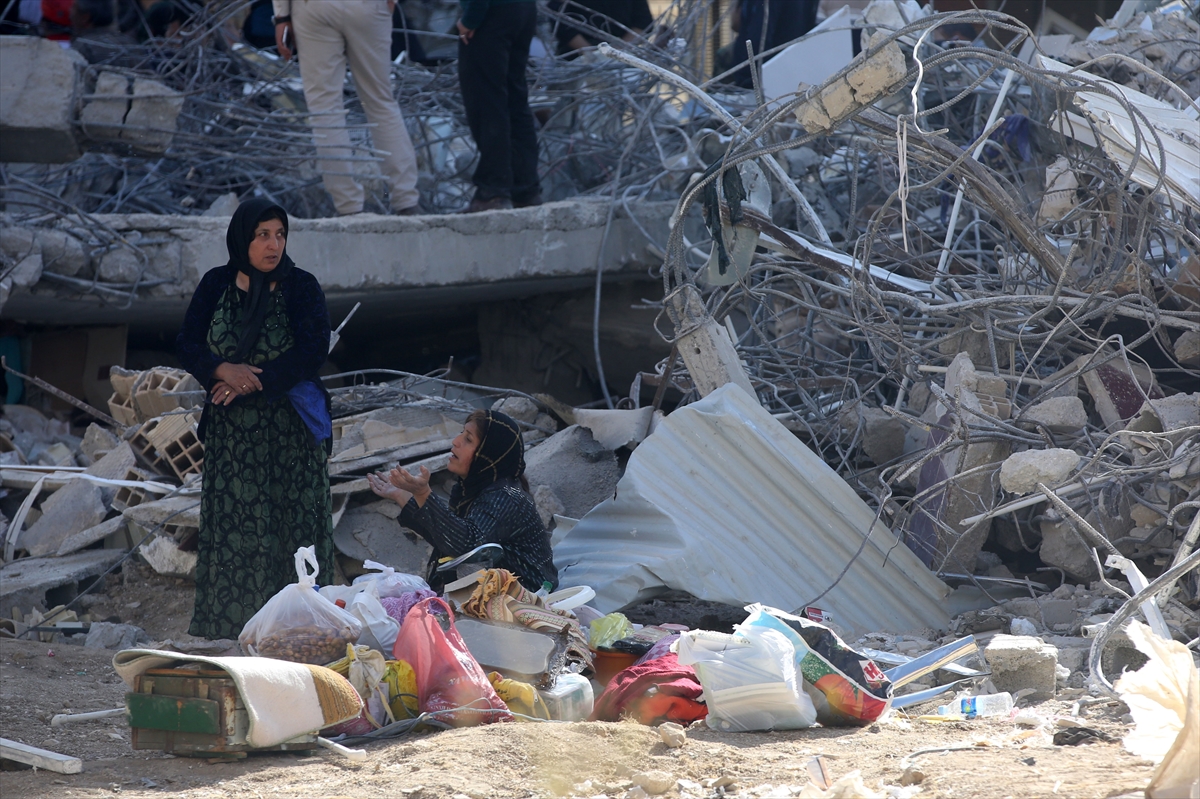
<point x="723" y="502"/>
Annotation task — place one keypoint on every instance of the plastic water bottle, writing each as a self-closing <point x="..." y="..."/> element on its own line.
<point x="979" y="706"/>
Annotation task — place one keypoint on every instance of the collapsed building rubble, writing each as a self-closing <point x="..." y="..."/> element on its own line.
<point x="932" y="329"/>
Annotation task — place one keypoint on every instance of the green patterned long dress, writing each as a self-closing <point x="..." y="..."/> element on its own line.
<point x="266" y="488"/>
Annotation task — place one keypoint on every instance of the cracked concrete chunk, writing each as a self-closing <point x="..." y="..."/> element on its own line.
<point x="872" y="77"/>
<point x="165" y="557"/>
<point x="104" y="114"/>
<point x="1021" y="661"/>
<point x="1021" y="472"/>
<point x="150" y="123"/>
<point x="72" y="509"/>
<point x="580" y="471"/>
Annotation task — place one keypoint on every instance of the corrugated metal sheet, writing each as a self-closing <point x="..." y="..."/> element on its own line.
<point x="723" y="502"/>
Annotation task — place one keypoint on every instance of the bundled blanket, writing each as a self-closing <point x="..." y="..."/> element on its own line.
<point x="283" y="700"/>
<point x="501" y="597"/>
<point x="654" y="692"/>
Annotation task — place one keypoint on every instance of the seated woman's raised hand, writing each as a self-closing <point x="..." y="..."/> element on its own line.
<point x="383" y="488"/>
<point x="416" y="485"/>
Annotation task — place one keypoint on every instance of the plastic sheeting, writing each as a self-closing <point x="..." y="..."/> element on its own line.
<point x="723" y="502"/>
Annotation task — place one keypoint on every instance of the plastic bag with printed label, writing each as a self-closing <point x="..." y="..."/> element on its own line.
<point x="298" y="624"/>
<point x="388" y="581"/>
<point x="749" y="679"/>
<point x="846" y="687"/>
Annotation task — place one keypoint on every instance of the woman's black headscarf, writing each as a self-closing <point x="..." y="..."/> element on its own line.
<point x="237" y="239"/>
<point x="500" y="455"/>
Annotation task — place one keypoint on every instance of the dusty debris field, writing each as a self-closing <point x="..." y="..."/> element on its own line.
<point x="512" y="760"/>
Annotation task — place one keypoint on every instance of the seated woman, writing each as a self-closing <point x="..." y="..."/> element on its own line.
<point x="490" y="504"/>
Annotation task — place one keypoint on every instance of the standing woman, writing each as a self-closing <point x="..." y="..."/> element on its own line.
<point x="255" y="334"/>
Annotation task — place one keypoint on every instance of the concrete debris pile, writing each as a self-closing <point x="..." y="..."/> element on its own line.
<point x="970" y="279"/>
<point x="81" y="502"/>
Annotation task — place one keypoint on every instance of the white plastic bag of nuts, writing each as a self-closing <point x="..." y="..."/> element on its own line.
<point x="300" y="625"/>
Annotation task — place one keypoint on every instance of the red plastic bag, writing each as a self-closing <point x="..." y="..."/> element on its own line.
<point x="449" y="680"/>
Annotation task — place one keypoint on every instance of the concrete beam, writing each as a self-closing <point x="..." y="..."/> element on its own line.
<point x="393" y="264"/>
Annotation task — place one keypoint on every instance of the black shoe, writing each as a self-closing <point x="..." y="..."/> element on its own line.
<point x="494" y="204"/>
<point x="528" y="203"/>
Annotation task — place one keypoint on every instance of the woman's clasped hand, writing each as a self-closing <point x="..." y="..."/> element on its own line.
<point x="234" y="380"/>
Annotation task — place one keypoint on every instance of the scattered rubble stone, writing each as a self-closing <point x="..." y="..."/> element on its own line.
<point x="106" y="635"/>
<point x="1022" y="662"/>
<point x="1021" y="472"/>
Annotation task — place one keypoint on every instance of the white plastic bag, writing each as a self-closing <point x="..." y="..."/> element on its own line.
<point x="379" y="629"/>
<point x="749" y="679"/>
<point x="343" y="592"/>
<point x="388" y="581"/>
<point x="298" y="624"/>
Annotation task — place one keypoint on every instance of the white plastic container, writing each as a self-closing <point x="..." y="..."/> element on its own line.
<point x="979" y="706"/>
<point x="571" y="698"/>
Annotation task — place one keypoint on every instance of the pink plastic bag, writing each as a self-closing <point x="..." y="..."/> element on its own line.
<point x="449" y="680"/>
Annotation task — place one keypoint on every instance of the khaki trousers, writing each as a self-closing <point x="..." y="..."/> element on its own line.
<point x="328" y="33"/>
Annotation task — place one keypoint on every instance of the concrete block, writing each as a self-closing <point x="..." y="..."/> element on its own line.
<point x="104" y="114"/>
<point x="877" y="73"/>
<point x="1022" y="626"/>
<point x="37" y="101"/>
<point x="580" y="471"/>
<point x="106" y="635"/>
<point x="91" y="535"/>
<point x="165" y="557"/>
<point x="120" y="265"/>
<point x="1019" y="662"/>
<point x="73" y="508"/>
<point x="1021" y="472"/>
<point x="1059" y="414"/>
<point x="1174" y="412"/>
<point x="153" y="112"/>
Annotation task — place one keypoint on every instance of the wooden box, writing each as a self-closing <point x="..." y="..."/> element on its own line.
<point x="194" y="712"/>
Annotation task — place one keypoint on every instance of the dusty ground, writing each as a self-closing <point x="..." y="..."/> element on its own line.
<point x="513" y="760"/>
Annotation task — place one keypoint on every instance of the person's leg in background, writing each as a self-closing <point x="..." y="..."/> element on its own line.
<point x="526" y="189"/>
<point x="483" y="77"/>
<point x="322" y="53"/>
<point x="367" y="26"/>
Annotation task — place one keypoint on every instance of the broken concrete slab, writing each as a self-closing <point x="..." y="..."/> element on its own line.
<point x="37" y="100"/>
<point x="548" y="504"/>
<point x="104" y="114"/>
<point x="72" y="509"/>
<point x="27" y="582"/>
<point x="1022" y="471"/>
<point x="364" y="534"/>
<point x="522" y="409"/>
<point x="1019" y="662"/>
<point x="1057" y="414"/>
<point x="580" y="471"/>
<point x="616" y="429"/>
<point x="91" y="535"/>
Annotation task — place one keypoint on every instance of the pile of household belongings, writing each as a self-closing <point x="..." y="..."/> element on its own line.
<point x="489" y="650"/>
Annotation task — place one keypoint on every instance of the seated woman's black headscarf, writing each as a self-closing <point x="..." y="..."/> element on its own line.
<point x="500" y="455"/>
<point x="245" y="221"/>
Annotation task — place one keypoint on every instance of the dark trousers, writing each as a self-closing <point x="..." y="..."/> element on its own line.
<point x="491" y="72"/>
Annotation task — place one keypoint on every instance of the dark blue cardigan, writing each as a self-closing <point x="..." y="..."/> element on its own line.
<point x="307" y="315"/>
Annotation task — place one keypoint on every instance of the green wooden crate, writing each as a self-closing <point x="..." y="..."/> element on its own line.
<point x="194" y="712"/>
